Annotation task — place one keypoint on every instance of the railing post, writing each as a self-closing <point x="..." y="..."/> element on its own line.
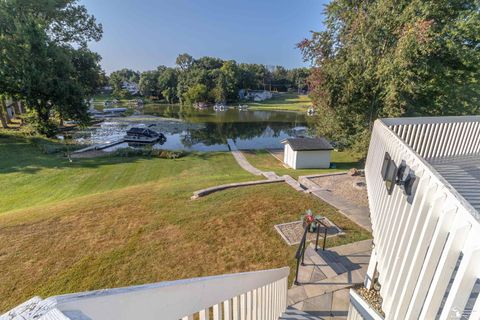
<point x="303" y="255"/>
<point x="325" y="239"/>
<point x="296" y="273"/>
<point x="300" y="254"/>
<point x="318" y="234"/>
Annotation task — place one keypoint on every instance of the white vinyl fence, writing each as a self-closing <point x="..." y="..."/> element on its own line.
<point x="260" y="295"/>
<point x="426" y="245"/>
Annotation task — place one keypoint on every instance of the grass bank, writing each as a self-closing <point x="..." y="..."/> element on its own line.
<point x="284" y="101"/>
<point x="109" y="222"/>
<point x="265" y="161"/>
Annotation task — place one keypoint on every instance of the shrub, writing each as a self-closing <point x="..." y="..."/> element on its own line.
<point x="148" y="152"/>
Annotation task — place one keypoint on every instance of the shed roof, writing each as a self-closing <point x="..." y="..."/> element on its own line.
<point x="308" y="144"/>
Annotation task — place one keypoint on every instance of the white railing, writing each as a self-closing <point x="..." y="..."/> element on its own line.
<point x="244" y="296"/>
<point x="433" y="137"/>
<point x="427" y="248"/>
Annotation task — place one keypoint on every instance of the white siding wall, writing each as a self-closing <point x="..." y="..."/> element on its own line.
<point x="306" y="159"/>
<point x="418" y="243"/>
<point x="312" y="159"/>
<point x="290" y="156"/>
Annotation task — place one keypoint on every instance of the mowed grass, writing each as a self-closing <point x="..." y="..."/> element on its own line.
<point x="32" y="178"/>
<point x="110" y="222"/>
<point x="265" y="161"/>
<point x="285" y="101"/>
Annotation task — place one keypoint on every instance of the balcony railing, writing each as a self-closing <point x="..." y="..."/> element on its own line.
<point x="433" y="137"/>
<point x="242" y="296"/>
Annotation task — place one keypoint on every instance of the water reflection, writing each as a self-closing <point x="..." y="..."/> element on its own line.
<point x="206" y="130"/>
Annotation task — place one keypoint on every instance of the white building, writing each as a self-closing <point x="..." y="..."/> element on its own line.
<point x="259" y="95"/>
<point x="307" y="153"/>
<point x="131" y="87"/>
<point x="423" y="180"/>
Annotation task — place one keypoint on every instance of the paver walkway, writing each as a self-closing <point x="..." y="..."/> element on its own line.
<point x="357" y="214"/>
<point x="327" y="277"/>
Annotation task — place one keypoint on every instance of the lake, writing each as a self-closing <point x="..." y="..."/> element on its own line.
<point x="202" y="130"/>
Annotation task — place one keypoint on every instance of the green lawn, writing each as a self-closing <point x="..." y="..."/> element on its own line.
<point x="284" y="101"/>
<point x="265" y="161"/>
<point x="109" y="222"/>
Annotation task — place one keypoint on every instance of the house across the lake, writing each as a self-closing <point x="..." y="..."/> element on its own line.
<point x="307" y="153"/>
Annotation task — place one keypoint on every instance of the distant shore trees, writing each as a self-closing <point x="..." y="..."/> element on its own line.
<point x="209" y="79"/>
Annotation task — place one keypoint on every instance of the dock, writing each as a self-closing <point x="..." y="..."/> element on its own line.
<point x="100" y="146"/>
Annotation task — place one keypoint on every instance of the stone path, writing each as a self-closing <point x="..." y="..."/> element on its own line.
<point x="242" y="161"/>
<point x="327" y="277"/>
<point x="359" y="215"/>
<point x="271" y="176"/>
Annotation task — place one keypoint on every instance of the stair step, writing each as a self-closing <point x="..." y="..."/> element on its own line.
<point x="321" y="264"/>
<point x="294" y="314"/>
<point x="333" y="261"/>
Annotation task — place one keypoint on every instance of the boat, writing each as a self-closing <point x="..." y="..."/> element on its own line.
<point x="143" y="135"/>
<point x="219" y="107"/>
<point x="242" y="107"/>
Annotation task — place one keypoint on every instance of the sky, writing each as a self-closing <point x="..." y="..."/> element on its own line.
<point x="144" y="34"/>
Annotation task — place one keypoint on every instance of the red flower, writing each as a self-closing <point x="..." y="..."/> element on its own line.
<point x="309" y="218"/>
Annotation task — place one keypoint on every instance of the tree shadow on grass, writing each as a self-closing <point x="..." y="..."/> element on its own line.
<point x="349" y="165"/>
<point x="29" y="155"/>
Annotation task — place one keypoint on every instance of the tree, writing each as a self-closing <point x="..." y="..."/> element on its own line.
<point x="393" y="58"/>
<point x="184" y="61"/>
<point x="45" y="60"/>
<point x="148" y="84"/>
<point x="167" y="84"/>
<point x="196" y="93"/>
<point x="230" y="73"/>
<point x="220" y="91"/>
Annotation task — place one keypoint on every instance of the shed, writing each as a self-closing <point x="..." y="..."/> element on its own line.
<point x="307" y="153"/>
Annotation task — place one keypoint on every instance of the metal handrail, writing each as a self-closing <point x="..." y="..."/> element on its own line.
<point x="300" y="254"/>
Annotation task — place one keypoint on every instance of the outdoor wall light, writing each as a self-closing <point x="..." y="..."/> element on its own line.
<point x="402" y="175"/>
<point x="405" y="178"/>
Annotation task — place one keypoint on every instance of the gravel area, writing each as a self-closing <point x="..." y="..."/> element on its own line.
<point x="292" y="232"/>
<point x="373" y="298"/>
<point x="345" y="187"/>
